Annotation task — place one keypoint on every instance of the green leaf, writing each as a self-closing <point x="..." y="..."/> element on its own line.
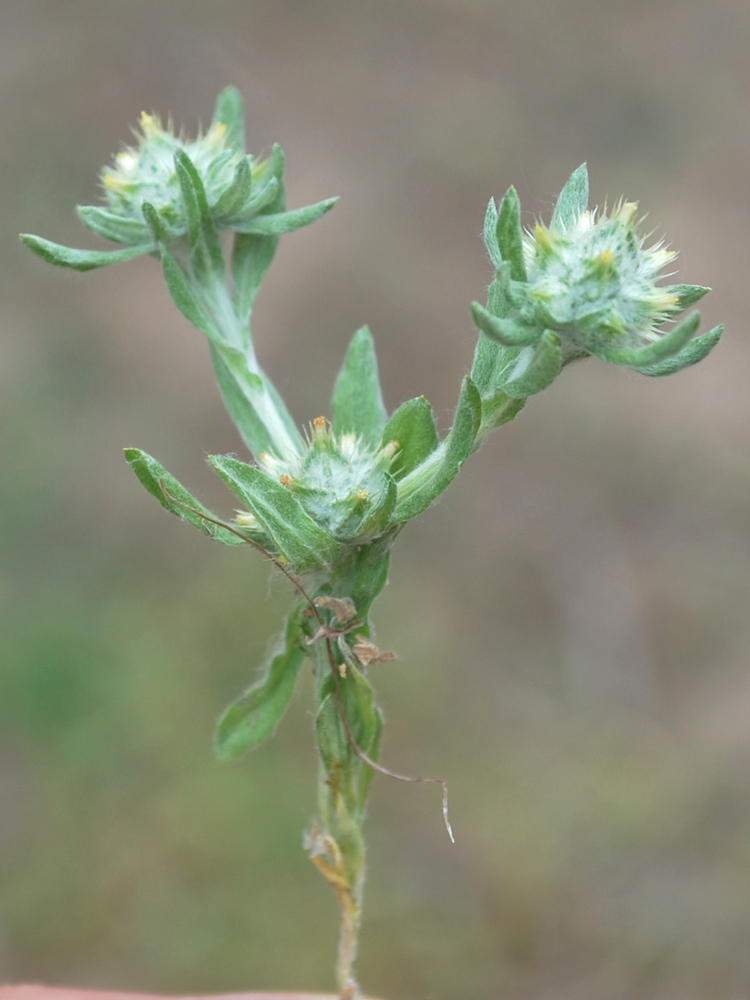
<point x="489" y="372"/>
<point x="369" y="574"/>
<point x="261" y="197"/>
<point x="330" y="736"/>
<point x="239" y="404"/>
<point x="242" y="391"/>
<point x="81" y="260"/>
<point x="304" y="543"/>
<point x="659" y="350"/>
<point x="206" y="257"/>
<point x="687" y="295"/>
<point x="251" y="258"/>
<point x="413" y="426"/>
<point x="159" y="483"/>
<point x="510" y="234"/>
<point x="276" y="223"/>
<point x="366" y="725"/>
<point x="185" y="297"/>
<point x="535" y="368"/>
<point x="253" y="718"/>
<point x="421" y="487"/>
<point x="236" y="195"/>
<point x="695" y="351"/>
<point x="573" y="199"/>
<point x="230" y="112"/>
<point x="113" y="227"/>
<point x="357" y="401"/>
<point x="490" y="234"/>
<point x="505" y="331"/>
<point x="505" y="296"/>
<point x="252" y="255"/>
<point x="159" y="228"/>
<point x="497" y="410"/>
<point x="378" y="517"/>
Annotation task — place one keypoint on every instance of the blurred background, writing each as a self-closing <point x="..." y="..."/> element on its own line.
<point x="571" y="618"/>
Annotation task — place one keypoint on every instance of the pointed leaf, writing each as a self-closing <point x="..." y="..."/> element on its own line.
<point x="252" y="255"/>
<point x="506" y="331"/>
<point x="206" y="257"/>
<point x="253" y="718"/>
<point x="421" y="487"/>
<point x="369" y="575"/>
<point x="413" y="427"/>
<point x="366" y="725"/>
<point x="243" y="392"/>
<point x="573" y="199"/>
<point x="230" y="112"/>
<point x="111" y="226"/>
<point x="154" y="476"/>
<point x="666" y="347"/>
<point x="378" y="516"/>
<point x="357" y="401"/>
<point x="81" y="260"/>
<point x="233" y="199"/>
<point x="490" y="233"/>
<point x="695" y="351"/>
<point x="497" y="410"/>
<point x="304" y="543"/>
<point x="185" y="297"/>
<point x="510" y="234"/>
<point x="535" y="368"/>
<point x="330" y="736"/>
<point x="262" y="197"/>
<point x="239" y="405"/>
<point x="687" y="295"/>
<point x="158" y="227"/>
<point x="251" y="258"/>
<point x="277" y="223"/>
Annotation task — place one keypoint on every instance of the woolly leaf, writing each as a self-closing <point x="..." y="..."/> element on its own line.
<point x="81" y="260"/>
<point x="357" y="401"/>
<point x="510" y="234"/>
<point x="253" y="718"/>
<point x="573" y="199"/>
<point x="421" y="487"/>
<point x="230" y="112"/>
<point x="168" y="492"/>
<point x="113" y="227"/>
<point x="302" y="542"/>
<point x="413" y="427"/>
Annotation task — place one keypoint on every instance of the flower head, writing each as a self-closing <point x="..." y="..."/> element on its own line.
<point x="339" y="479"/>
<point x="146" y="171"/>
<point x="593" y="281"/>
<point x="166" y="186"/>
<point x="586" y="284"/>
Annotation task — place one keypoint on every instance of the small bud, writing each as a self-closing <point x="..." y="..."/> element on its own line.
<point x="245" y="519"/>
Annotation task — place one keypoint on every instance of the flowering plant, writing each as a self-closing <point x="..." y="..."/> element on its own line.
<point x="325" y="505"/>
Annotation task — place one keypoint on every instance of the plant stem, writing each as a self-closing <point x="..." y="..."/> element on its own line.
<point x="335" y="843"/>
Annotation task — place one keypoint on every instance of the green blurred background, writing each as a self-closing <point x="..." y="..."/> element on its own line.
<point x="571" y="618"/>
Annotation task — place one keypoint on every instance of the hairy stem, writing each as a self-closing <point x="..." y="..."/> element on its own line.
<point x="335" y="843"/>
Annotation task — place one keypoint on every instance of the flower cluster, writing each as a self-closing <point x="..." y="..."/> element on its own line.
<point x="585" y="284"/>
<point x="146" y="172"/>
<point x="150" y="191"/>
<point x="338" y="479"/>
